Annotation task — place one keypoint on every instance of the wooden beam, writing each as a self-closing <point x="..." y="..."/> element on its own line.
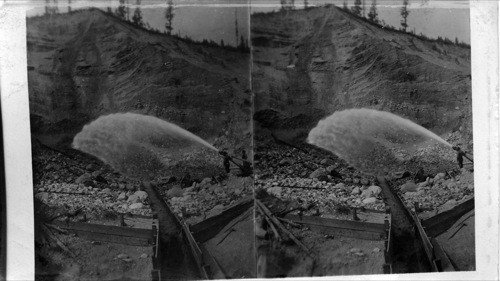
<point x="426" y="243"/>
<point x="268" y="213"/>
<point x="441" y="255"/>
<point x="108" y="233"/>
<point x="340" y="224"/>
<point x="208" y="228"/>
<point x="441" y="222"/>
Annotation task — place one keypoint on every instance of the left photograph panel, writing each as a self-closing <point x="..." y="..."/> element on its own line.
<point x="141" y="135"/>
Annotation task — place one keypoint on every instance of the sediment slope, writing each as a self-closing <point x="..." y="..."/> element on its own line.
<point x="87" y="63"/>
<point x="309" y="63"/>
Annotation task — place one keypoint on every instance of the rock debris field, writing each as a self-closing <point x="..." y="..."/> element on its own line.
<point x="310" y="176"/>
<point x="62" y="180"/>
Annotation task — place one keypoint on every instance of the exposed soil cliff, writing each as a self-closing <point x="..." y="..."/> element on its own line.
<point x="87" y="63"/>
<point x="309" y="63"/>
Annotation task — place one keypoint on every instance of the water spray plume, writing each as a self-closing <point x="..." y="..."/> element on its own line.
<point x="136" y="145"/>
<point x="372" y="141"/>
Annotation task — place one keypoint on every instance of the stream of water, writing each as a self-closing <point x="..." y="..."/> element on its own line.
<point x="372" y="141"/>
<point x="137" y="145"/>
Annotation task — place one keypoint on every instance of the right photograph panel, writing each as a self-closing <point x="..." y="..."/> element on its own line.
<point x="363" y="137"/>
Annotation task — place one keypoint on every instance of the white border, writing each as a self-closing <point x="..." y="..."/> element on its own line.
<point x="17" y="144"/>
<point x="15" y="114"/>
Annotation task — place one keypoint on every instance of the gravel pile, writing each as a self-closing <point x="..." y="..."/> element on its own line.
<point x="208" y="197"/>
<point x="313" y="177"/>
<point x="440" y="192"/>
<point x="76" y="181"/>
<point x="93" y="200"/>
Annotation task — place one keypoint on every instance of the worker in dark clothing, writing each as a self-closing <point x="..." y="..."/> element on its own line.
<point x="246" y="169"/>
<point x="420" y="176"/>
<point x="460" y="156"/>
<point x="244" y="155"/>
<point x="226" y="161"/>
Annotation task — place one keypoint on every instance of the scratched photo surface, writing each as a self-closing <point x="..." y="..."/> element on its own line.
<point x="140" y="117"/>
<point x="363" y="137"/>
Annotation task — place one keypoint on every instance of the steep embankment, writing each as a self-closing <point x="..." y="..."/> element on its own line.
<point x="87" y="63"/>
<point x="310" y="63"/>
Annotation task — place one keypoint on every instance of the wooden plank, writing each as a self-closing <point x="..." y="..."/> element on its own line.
<point x="213" y="268"/>
<point x="344" y="232"/>
<point x="388" y="248"/>
<point x="441" y="222"/>
<point x="428" y="248"/>
<point x="446" y="264"/>
<point x="268" y="213"/>
<point x="195" y="249"/>
<point x="335" y="223"/>
<point x="103" y="237"/>
<point x="208" y="228"/>
<point x="106" y="229"/>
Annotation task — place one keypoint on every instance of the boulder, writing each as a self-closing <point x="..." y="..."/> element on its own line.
<point x="339" y="186"/>
<point x="83" y="178"/>
<point x="122" y="196"/>
<point x="332" y="197"/>
<point x="133" y="199"/>
<point x="141" y="194"/>
<point x="449" y="204"/>
<point x="409" y="186"/>
<point x="107" y="191"/>
<point x="439" y="176"/>
<point x="130" y="187"/>
<point x="376" y="190"/>
<point x="216" y="210"/>
<point x="43" y="196"/>
<point x="275" y="190"/>
<point x="205" y="181"/>
<point x="319" y="172"/>
<point x="364" y="181"/>
<point x="422" y="184"/>
<point x="369" y="200"/>
<point x="175" y="191"/>
<point x="135" y="206"/>
<point x="355" y="191"/>
<point x="367" y="193"/>
<point x="331" y="168"/>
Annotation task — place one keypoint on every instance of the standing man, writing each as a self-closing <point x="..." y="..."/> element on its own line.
<point x="226" y="160"/>
<point x="460" y="156"/>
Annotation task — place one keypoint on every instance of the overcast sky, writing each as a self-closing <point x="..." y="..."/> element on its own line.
<point x="215" y="19"/>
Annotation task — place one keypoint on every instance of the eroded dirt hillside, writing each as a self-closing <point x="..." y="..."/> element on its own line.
<point x="309" y="63"/>
<point x="87" y="63"/>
